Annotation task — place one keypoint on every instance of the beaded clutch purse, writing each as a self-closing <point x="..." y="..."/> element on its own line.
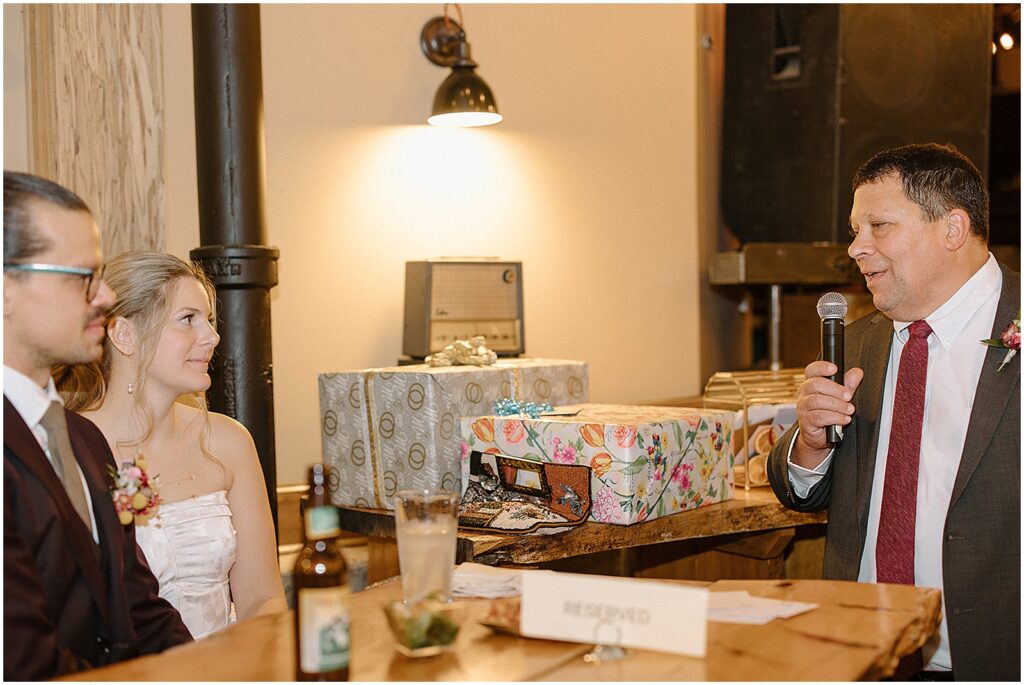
<point x="511" y="495"/>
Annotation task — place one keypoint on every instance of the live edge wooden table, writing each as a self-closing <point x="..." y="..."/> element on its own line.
<point x="858" y="632"/>
<point x="753" y="525"/>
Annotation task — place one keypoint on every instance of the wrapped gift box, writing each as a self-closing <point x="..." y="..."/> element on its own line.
<point x="645" y="462"/>
<point x="394" y="428"/>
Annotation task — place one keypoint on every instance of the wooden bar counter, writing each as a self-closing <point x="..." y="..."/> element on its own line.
<point x="859" y="632"/>
<point x="752" y="523"/>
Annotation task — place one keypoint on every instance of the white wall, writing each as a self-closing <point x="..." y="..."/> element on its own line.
<point x="590" y="181"/>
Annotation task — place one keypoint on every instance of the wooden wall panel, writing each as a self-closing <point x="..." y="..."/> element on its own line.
<point x="96" y="113"/>
<point x="726" y="337"/>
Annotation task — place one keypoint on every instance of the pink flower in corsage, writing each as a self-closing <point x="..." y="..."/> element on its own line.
<point x="1009" y="341"/>
<point x="134" y="493"/>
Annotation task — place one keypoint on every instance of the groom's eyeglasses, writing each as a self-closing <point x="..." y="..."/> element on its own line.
<point x="92" y="277"/>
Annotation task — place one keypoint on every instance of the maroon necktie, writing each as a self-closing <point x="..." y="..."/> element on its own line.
<point x="894" y="551"/>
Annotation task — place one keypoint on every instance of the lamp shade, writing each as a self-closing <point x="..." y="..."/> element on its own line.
<point x="464" y="99"/>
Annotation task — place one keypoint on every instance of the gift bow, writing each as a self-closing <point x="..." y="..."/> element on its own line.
<point x="472" y="352"/>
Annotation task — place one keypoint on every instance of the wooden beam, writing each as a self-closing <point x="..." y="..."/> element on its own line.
<point x="96" y="114"/>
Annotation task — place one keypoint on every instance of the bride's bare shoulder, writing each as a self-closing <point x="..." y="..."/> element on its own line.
<point x="230" y="441"/>
<point x="225" y="437"/>
<point x="228" y="431"/>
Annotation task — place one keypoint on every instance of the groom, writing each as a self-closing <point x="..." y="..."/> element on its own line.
<point x="77" y="593"/>
<point x="924" y="488"/>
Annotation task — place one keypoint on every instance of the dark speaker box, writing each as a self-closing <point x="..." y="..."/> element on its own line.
<point x="813" y="91"/>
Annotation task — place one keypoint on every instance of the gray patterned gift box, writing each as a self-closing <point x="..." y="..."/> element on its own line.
<point x="394" y="428"/>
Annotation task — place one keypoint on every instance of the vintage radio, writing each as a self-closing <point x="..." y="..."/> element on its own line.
<point x="448" y="300"/>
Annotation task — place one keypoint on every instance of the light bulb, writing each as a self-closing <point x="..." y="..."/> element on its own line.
<point x="464" y="119"/>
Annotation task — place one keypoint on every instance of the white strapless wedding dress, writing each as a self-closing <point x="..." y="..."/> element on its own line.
<point x="190" y="547"/>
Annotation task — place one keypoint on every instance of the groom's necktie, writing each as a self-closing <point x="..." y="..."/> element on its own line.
<point x="64" y="459"/>
<point x="894" y="552"/>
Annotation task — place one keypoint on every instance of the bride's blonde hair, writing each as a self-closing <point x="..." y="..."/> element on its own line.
<point x="144" y="283"/>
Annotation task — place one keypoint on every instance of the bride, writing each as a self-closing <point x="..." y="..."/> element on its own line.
<point x="211" y="541"/>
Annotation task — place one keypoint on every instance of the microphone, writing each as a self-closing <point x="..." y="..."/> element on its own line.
<point x="832" y="309"/>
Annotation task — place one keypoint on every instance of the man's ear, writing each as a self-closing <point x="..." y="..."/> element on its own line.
<point x="958" y="229"/>
<point x="121" y="332"/>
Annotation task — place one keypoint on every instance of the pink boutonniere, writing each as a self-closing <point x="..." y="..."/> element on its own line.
<point x="1009" y="341"/>
<point x="134" y="493"/>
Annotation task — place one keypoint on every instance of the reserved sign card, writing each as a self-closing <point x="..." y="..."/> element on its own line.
<point x="615" y="611"/>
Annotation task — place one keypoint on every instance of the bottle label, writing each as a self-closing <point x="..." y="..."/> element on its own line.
<point x="323" y="629"/>
<point x="322" y="522"/>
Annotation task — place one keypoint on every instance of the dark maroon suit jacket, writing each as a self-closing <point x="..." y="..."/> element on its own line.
<point x="70" y="604"/>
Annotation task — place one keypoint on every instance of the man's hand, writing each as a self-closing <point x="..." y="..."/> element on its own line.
<point x="820" y="403"/>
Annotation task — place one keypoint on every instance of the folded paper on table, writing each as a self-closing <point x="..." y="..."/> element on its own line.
<point x="645" y="462"/>
<point x="615" y="611"/>
<point x="397" y="428"/>
<point x="740" y="607"/>
<point x="478" y="580"/>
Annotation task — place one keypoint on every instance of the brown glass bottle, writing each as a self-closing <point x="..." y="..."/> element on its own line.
<point x="322" y="644"/>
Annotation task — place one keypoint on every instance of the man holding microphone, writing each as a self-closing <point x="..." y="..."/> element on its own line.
<point x="924" y="486"/>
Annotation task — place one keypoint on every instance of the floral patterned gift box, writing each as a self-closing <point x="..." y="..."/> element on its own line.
<point x="395" y="428"/>
<point x="645" y="462"/>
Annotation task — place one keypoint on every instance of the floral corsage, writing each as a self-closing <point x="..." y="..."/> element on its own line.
<point x="1009" y="341"/>
<point x="134" y="493"/>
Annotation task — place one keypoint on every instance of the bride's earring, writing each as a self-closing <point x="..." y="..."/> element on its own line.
<point x="131" y="388"/>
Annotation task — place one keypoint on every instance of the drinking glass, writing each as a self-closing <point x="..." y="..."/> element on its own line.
<point x="425" y="525"/>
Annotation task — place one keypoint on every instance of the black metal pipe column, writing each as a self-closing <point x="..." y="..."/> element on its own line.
<point x="232" y="187"/>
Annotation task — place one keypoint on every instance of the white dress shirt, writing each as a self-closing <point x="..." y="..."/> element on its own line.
<point x="32" y="401"/>
<point x="955" y="359"/>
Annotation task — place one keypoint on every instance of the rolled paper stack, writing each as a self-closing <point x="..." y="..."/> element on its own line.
<point x="764" y="440"/>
